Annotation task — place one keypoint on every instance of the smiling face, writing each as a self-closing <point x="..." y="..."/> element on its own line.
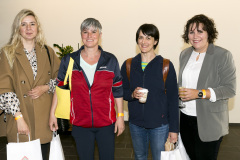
<point x="198" y="38"/>
<point x="28" y="28"/>
<point x="146" y="43"/>
<point x="90" y="37"/>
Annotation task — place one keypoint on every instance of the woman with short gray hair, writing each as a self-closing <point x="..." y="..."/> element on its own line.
<point x="96" y="86"/>
<point x="91" y="22"/>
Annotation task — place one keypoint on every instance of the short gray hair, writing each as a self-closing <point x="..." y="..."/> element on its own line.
<point x="91" y="22"/>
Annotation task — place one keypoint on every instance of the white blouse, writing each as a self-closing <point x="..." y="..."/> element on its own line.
<point x="190" y="77"/>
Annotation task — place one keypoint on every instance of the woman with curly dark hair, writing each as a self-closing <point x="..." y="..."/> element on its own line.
<point x="208" y="79"/>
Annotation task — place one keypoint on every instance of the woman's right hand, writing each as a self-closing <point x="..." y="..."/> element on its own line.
<point x="136" y="94"/>
<point x="188" y="94"/>
<point x="53" y="122"/>
<point x="22" y="127"/>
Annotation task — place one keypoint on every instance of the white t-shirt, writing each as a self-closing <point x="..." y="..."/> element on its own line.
<point x="88" y="69"/>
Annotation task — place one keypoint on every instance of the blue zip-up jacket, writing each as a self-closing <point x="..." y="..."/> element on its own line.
<point x="160" y="108"/>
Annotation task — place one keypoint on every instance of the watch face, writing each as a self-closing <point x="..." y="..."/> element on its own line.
<point x="200" y="94"/>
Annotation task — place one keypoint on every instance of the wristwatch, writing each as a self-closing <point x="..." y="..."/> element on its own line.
<point x="200" y="94"/>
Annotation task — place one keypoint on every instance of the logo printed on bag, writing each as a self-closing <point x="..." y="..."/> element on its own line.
<point x="24" y="158"/>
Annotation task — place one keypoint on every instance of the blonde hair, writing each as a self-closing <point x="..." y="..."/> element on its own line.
<point x="15" y="39"/>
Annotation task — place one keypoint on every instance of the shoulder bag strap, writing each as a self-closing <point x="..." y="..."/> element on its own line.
<point x="48" y="54"/>
<point x="165" y="71"/>
<point x="128" y="67"/>
<point x="69" y="73"/>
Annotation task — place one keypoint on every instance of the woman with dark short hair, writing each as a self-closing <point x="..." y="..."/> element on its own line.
<point x="96" y="88"/>
<point x="208" y="79"/>
<point x="156" y="119"/>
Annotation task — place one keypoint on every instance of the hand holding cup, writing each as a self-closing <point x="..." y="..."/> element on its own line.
<point x="141" y="94"/>
<point x="181" y="94"/>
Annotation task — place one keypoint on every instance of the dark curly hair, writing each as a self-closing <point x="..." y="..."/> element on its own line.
<point x="208" y="26"/>
<point x="150" y="30"/>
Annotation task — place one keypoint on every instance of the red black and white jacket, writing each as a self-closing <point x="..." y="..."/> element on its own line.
<point x="93" y="106"/>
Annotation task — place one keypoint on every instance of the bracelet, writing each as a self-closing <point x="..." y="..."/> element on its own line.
<point x="204" y="94"/>
<point x="20" y="116"/>
<point x="120" y="114"/>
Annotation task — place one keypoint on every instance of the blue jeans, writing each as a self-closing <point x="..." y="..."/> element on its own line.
<point x="141" y="138"/>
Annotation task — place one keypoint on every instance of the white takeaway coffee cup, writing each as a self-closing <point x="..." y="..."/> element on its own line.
<point x="143" y="99"/>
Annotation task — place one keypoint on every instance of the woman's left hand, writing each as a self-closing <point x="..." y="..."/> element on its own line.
<point x="38" y="91"/>
<point x="173" y="137"/>
<point x="53" y="122"/>
<point x="188" y="94"/>
<point x="119" y="125"/>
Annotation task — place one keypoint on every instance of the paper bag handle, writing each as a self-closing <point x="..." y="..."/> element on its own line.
<point x="18" y="138"/>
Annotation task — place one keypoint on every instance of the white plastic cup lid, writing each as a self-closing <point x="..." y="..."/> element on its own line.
<point x="144" y="90"/>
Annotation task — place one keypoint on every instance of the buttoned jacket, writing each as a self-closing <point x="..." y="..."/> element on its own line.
<point x="20" y="80"/>
<point x="219" y="73"/>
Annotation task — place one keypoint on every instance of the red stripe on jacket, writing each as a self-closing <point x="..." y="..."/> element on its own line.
<point x="117" y="84"/>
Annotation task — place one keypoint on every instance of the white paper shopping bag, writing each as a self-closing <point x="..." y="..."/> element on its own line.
<point x="56" y="151"/>
<point x="179" y="153"/>
<point x="182" y="149"/>
<point x="171" y="155"/>
<point x="24" y="150"/>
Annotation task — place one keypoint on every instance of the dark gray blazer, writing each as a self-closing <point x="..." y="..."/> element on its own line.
<point x="219" y="73"/>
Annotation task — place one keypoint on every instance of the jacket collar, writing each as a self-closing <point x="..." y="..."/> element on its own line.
<point x="188" y="53"/>
<point x="23" y="61"/>
<point x="210" y="49"/>
<point x="41" y="62"/>
<point x="76" y="56"/>
<point x="206" y="65"/>
<point x="203" y="73"/>
<point x="138" y="59"/>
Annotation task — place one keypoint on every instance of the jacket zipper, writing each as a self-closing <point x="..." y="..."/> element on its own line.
<point x="90" y="97"/>
<point x="143" y="103"/>
<point x="91" y="104"/>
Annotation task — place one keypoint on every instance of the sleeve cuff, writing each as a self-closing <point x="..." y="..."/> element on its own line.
<point x="213" y="95"/>
<point x="10" y="103"/>
<point x="52" y="85"/>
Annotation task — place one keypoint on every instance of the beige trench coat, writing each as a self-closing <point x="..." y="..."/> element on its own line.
<point x="20" y="80"/>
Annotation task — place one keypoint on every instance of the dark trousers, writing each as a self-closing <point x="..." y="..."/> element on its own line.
<point x="45" y="151"/>
<point x="85" y="142"/>
<point x="196" y="149"/>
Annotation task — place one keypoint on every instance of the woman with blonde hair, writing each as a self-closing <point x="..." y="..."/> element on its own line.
<point x="27" y="79"/>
